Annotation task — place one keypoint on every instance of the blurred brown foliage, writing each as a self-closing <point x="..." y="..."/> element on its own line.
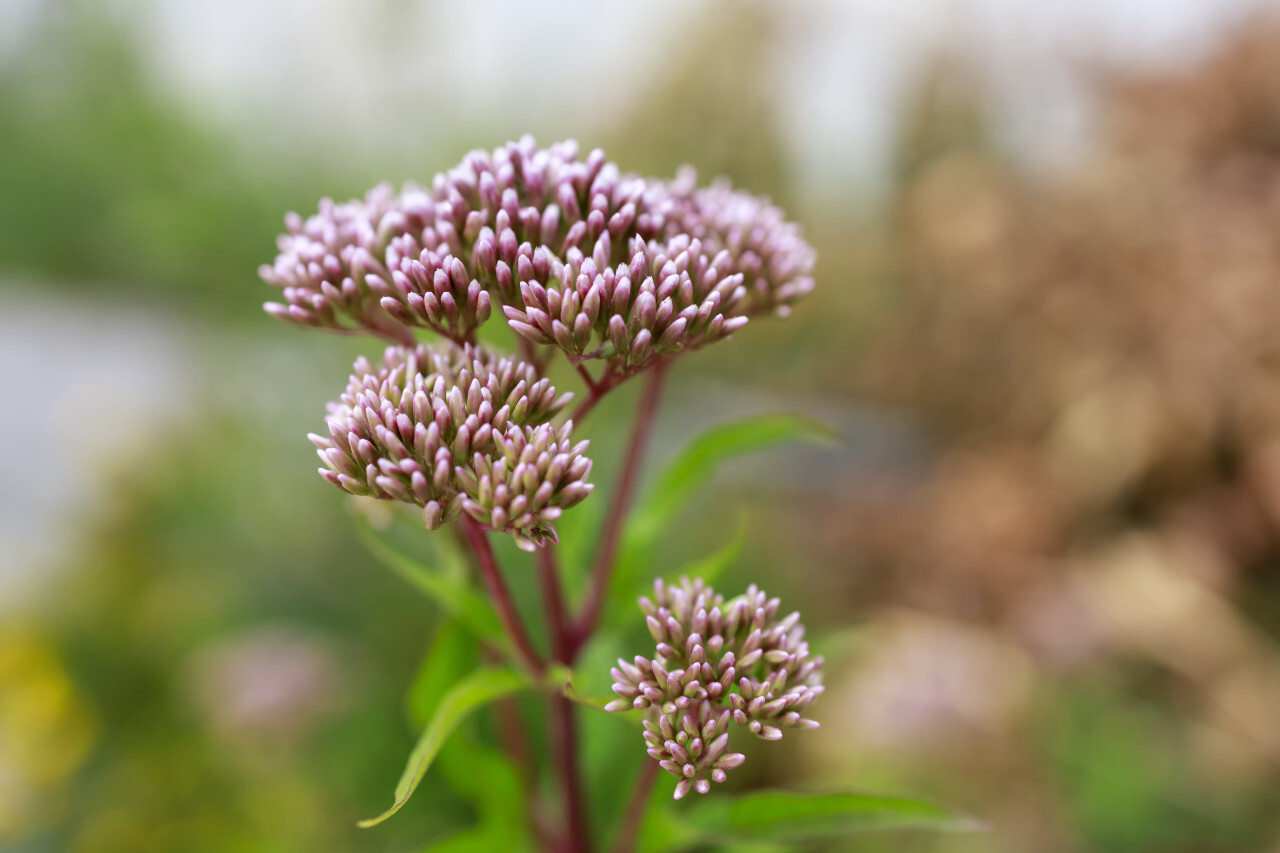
<point x="1093" y="353"/>
<point x="1098" y="349"/>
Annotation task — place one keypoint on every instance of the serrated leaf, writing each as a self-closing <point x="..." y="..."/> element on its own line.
<point x="798" y="816"/>
<point x="478" y="689"/>
<point x="448" y="589"/>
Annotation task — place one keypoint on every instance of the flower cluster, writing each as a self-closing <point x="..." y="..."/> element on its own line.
<point x="578" y="255"/>
<point x="751" y="234"/>
<point x="325" y="260"/>
<point x="456" y="429"/>
<point x="717" y="662"/>
<point x="633" y="313"/>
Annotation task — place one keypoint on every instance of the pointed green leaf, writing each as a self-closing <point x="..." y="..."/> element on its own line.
<point x="693" y="468"/>
<point x="480" y="688"/>
<point x="560" y="677"/>
<point x="490" y="780"/>
<point x="451" y="655"/>
<point x="699" y="461"/>
<point x="449" y="589"/>
<point x="797" y="816"/>
<point x="712" y="566"/>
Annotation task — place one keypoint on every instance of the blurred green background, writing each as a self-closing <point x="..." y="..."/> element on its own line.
<point x="1045" y="565"/>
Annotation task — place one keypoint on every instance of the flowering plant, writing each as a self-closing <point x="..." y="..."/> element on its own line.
<point x="619" y="277"/>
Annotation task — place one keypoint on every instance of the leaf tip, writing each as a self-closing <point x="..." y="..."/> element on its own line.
<point x="374" y="821"/>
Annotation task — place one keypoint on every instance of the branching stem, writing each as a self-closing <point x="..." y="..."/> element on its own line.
<point x="620" y="503"/>
<point x="501" y="596"/>
<point x="553" y="599"/>
<point x="596" y="390"/>
<point x="564" y="739"/>
<point x="564" y="746"/>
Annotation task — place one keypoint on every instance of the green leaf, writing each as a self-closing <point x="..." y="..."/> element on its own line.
<point x="560" y="677"/>
<point x="784" y="814"/>
<point x="712" y="566"/>
<point x="480" y="688"/>
<point x="491" y="781"/>
<point x="451" y="655"/>
<point x="476" y="770"/>
<point x="449" y="589"/>
<point x="693" y="468"/>
<point x="699" y="461"/>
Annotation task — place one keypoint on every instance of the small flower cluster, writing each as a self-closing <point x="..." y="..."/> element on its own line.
<point x="325" y="261"/>
<point x="456" y="429"/>
<point x="716" y="662"/>
<point x="631" y="314"/>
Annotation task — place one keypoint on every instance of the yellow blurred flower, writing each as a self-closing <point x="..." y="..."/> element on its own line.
<point x="46" y="730"/>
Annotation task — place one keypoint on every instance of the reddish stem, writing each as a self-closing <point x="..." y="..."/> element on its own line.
<point x="620" y="502"/>
<point x="564" y="746"/>
<point x="501" y="596"/>
<point x="564" y="742"/>
<point x="553" y="598"/>
<point x="592" y="385"/>
<point x="391" y="329"/>
<point x="629" y="831"/>
<point x="596" y="389"/>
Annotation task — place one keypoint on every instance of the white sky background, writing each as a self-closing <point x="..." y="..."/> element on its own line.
<point x="332" y="71"/>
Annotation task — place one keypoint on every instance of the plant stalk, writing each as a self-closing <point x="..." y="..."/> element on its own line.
<point x="564" y="746"/>
<point x="564" y="740"/>
<point x="620" y="503"/>
<point x="553" y="600"/>
<point x="501" y="596"/>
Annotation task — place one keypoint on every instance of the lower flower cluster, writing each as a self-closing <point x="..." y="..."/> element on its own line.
<point x="717" y="662"/>
<point x="453" y="430"/>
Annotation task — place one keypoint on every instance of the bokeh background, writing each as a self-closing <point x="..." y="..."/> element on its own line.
<point x="1045" y="563"/>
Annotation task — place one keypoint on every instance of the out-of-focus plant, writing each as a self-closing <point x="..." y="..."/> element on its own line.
<point x="619" y="277"/>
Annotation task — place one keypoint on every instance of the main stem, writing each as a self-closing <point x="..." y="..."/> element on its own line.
<point x="619" y="503"/>
<point x="567" y="636"/>
<point x="564" y="740"/>
<point x="501" y="596"/>
<point x="553" y="600"/>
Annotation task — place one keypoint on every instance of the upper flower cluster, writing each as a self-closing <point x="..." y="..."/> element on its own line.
<point x="575" y="254"/>
<point x="717" y="662"/>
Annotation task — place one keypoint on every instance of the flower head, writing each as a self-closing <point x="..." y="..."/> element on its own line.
<point x="717" y="662"/>
<point x="666" y="298"/>
<point x="523" y="486"/>
<point x="535" y="231"/>
<point x="443" y="427"/>
<point x="576" y="254"/>
<point x="325" y="260"/>
<point x="774" y="259"/>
